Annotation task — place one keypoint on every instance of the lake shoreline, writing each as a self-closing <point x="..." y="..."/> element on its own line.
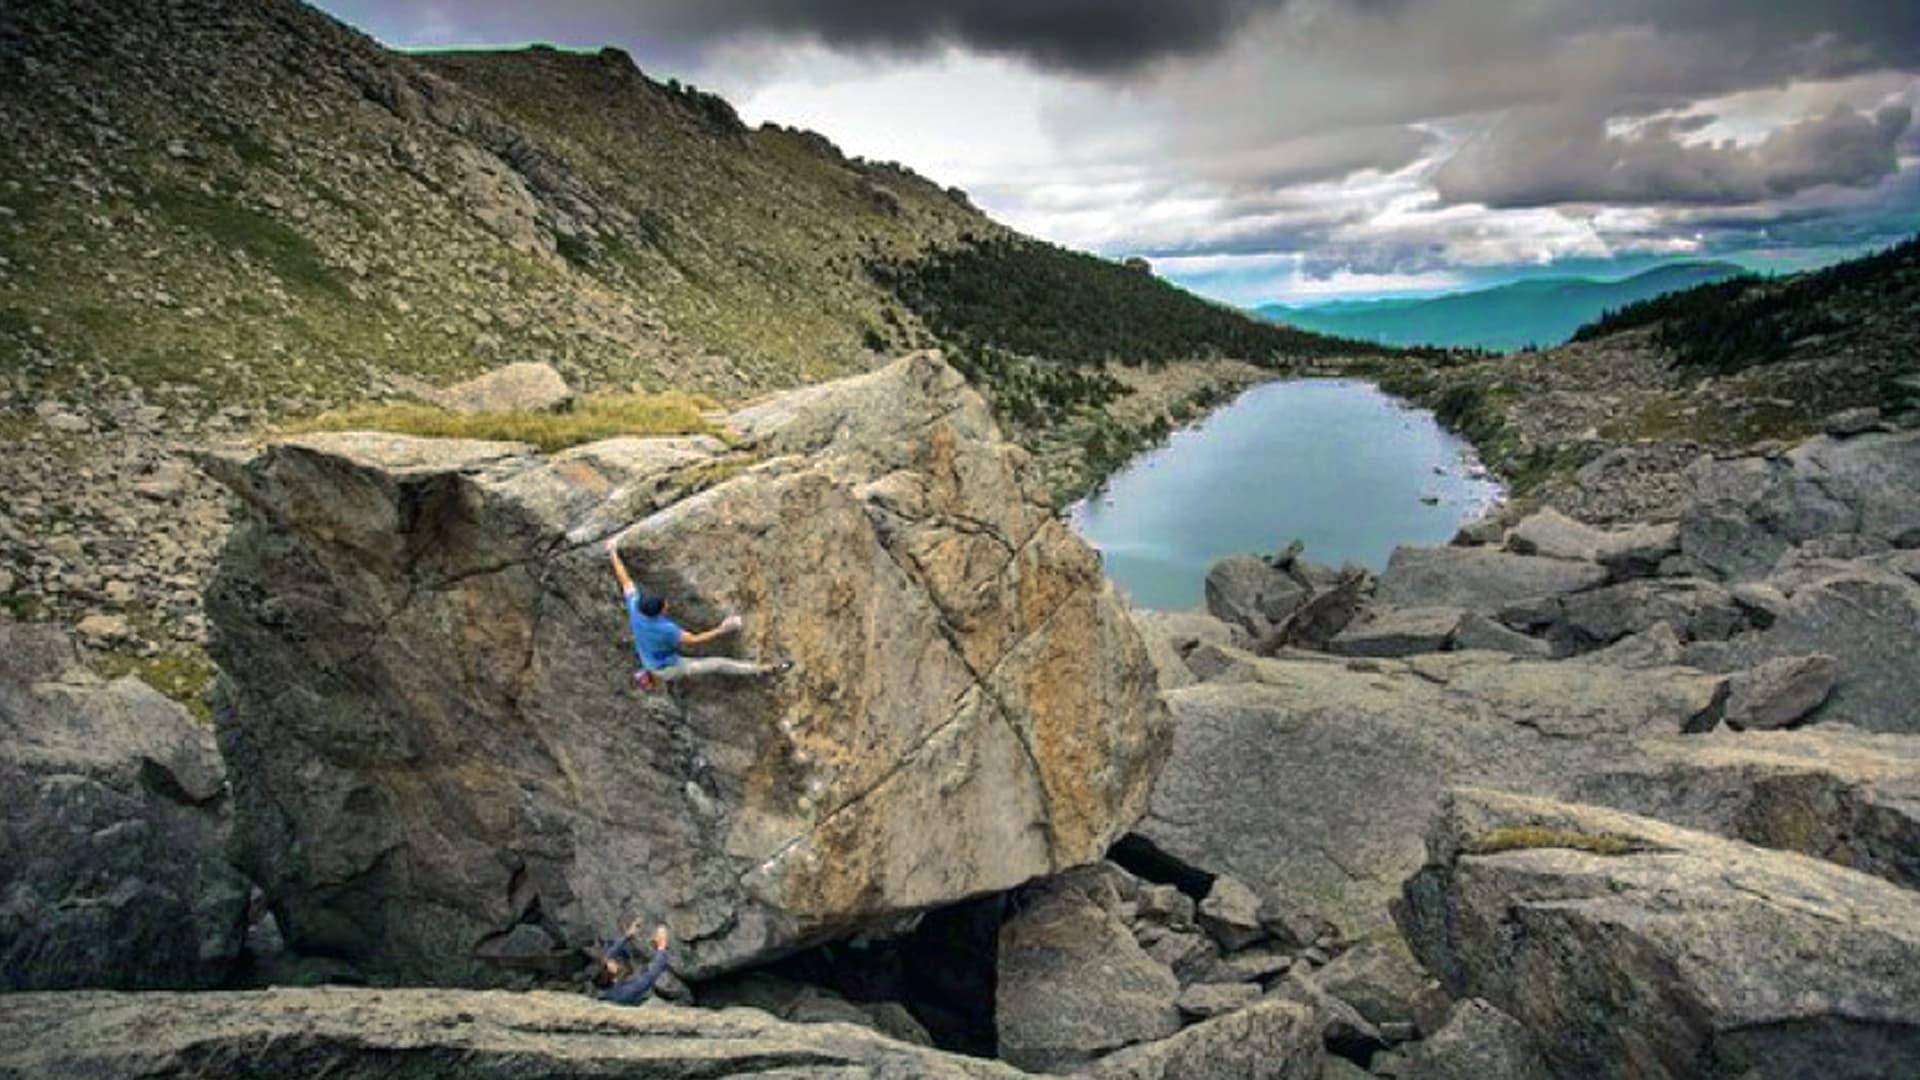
<point x="1336" y="461"/>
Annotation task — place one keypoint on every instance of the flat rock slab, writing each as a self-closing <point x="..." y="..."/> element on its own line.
<point x="341" y="1032"/>
<point x="1478" y="579"/>
<point x="1626" y="945"/>
<point x="1309" y="781"/>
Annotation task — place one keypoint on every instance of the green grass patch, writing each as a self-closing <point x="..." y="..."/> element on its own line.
<point x="591" y="419"/>
<point x="289" y="254"/>
<point x="1528" y="837"/>
<point x="185" y="679"/>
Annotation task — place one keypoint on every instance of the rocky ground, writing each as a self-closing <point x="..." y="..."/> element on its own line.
<point x="1556" y="800"/>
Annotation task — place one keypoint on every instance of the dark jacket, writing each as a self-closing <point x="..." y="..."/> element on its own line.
<point x="634" y="990"/>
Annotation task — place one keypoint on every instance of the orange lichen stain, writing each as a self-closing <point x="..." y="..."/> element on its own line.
<point x="1066" y="729"/>
<point x="581" y="475"/>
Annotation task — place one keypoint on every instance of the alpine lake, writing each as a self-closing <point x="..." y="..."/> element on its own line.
<point x="1335" y="463"/>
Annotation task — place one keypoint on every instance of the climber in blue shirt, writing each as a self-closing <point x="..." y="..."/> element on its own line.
<point x="657" y="640"/>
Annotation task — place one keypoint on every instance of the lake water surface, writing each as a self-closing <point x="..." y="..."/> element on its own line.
<point x="1334" y="462"/>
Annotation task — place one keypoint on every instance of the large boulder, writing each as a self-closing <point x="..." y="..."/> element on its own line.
<point x="1308" y="781"/>
<point x="436" y="734"/>
<point x="113" y="862"/>
<point x="349" y="1033"/>
<point x="1073" y="983"/>
<point x="1743" y="514"/>
<point x="525" y="387"/>
<point x="1478" y="579"/>
<point x="1832" y="791"/>
<point x="1631" y="947"/>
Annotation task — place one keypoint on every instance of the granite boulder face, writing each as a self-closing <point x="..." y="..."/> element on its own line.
<point x="1627" y="946"/>
<point x="1744" y="514"/>
<point x="113" y="860"/>
<point x="436" y="735"/>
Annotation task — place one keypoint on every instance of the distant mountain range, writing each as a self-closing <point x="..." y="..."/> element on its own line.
<point x="1543" y="312"/>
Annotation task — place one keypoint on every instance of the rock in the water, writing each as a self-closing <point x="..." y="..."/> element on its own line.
<point x="1629" y="946"/>
<point x="1781" y="691"/>
<point x="1478" y="579"/>
<point x="1744" y="514"/>
<point x="113" y="862"/>
<point x="1479" y="1042"/>
<point x="525" y="387"/>
<point x="1390" y="631"/>
<point x="1074" y="985"/>
<point x="1271" y="1040"/>
<point x="435" y="728"/>
<point x="1302" y="782"/>
<point x="1831" y="791"/>
<point x="351" y="1033"/>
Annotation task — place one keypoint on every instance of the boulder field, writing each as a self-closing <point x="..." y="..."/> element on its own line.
<point x="442" y="767"/>
<point x="1667" y="776"/>
<point x="1552" y="801"/>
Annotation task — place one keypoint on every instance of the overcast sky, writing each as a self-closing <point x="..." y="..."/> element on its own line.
<point x="1298" y="149"/>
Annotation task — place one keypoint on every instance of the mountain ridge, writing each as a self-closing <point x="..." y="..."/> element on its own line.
<point x="1540" y="312"/>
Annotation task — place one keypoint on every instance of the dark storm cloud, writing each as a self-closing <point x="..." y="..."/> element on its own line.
<point x="1552" y="156"/>
<point x="1082" y="35"/>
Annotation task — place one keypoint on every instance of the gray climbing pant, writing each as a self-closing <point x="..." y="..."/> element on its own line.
<point x="710" y="665"/>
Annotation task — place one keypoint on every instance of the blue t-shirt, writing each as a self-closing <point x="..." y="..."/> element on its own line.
<point x="656" y="638"/>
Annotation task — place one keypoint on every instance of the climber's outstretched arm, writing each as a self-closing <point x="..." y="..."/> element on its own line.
<point x="731" y="622"/>
<point x="619" y="568"/>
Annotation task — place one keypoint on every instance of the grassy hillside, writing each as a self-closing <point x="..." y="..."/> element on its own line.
<point x="1544" y="312"/>
<point x="254" y="203"/>
<point x="248" y="204"/>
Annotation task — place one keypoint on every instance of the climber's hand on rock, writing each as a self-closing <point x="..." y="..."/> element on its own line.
<point x="731" y="622"/>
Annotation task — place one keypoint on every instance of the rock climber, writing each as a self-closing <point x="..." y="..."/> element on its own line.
<point x="657" y="640"/>
<point x="615" y="979"/>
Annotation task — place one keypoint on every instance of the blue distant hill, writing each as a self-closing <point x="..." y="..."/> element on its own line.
<point x="1542" y="312"/>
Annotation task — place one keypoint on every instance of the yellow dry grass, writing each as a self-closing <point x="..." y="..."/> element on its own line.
<point x="670" y="412"/>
